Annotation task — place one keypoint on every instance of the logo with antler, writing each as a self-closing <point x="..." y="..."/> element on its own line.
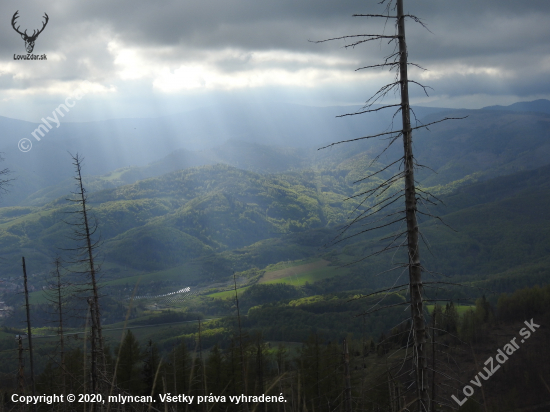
<point x="29" y="40"/>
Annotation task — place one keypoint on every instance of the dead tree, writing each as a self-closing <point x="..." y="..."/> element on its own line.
<point x="56" y="294"/>
<point x="4" y="180"/>
<point x="243" y="366"/>
<point x="385" y="196"/>
<point x="29" y="332"/>
<point x="94" y="349"/>
<point x="202" y="369"/>
<point x="21" y="370"/>
<point x="347" y="379"/>
<point x="84" y="232"/>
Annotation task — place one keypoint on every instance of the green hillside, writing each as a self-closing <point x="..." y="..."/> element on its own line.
<point x="275" y="235"/>
<point x="197" y="226"/>
<point x="248" y="219"/>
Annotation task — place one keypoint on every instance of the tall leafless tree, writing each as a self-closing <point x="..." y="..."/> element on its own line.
<point x="29" y="331"/>
<point x="242" y="357"/>
<point x="84" y="234"/>
<point x="384" y="196"/>
<point x="56" y="293"/>
<point x="4" y="180"/>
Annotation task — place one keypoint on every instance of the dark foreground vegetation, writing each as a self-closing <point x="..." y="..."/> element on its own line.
<point x="311" y="375"/>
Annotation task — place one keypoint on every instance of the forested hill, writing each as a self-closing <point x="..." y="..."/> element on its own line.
<point x="205" y="221"/>
<point x="211" y="207"/>
<point x="219" y="213"/>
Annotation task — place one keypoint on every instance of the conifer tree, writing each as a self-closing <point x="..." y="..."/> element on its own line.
<point x="216" y="377"/>
<point x="180" y="364"/>
<point x="128" y="374"/>
<point x="151" y="365"/>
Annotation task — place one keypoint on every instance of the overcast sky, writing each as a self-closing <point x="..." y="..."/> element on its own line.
<point x="145" y="58"/>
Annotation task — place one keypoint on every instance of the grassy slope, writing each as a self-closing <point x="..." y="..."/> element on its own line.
<point x="299" y="272"/>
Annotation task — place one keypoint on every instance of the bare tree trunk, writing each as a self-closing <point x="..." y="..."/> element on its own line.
<point x="20" y="373"/>
<point x="84" y="363"/>
<point x="89" y="249"/>
<point x="202" y="369"/>
<point x="415" y="270"/>
<point x="347" y="393"/>
<point x="84" y="230"/>
<point x="33" y="384"/>
<point x="243" y="368"/>
<point x="298" y="387"/>
<point x="260" y="369"/>
<point x="391" y="392"/>
<point x="61" y="339"/>
<point x="433" y="358"/>
<point x="93" y="340"/>
<point x="174" y="371"/>
<point x="397" y="61"/>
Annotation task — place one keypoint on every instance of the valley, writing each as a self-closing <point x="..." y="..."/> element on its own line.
<point x="262" y="222"/>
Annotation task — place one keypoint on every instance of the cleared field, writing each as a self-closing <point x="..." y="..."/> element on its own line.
<point x="287" y="264"/>
<point x="300" y="279"/>
<point x="297" y="275"/>
<point x="227" y="294"/>
<point x="293" y="271"/>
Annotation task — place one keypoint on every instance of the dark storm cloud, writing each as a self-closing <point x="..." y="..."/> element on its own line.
<point x="467" y="24"/>
<point x="475" y="46"/>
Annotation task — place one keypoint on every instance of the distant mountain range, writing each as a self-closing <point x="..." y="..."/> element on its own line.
<point x="202" y="206"/>
<point x="541" y="106"/>
<point x="487" y="143"/>
<point x="122" y="143"/>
